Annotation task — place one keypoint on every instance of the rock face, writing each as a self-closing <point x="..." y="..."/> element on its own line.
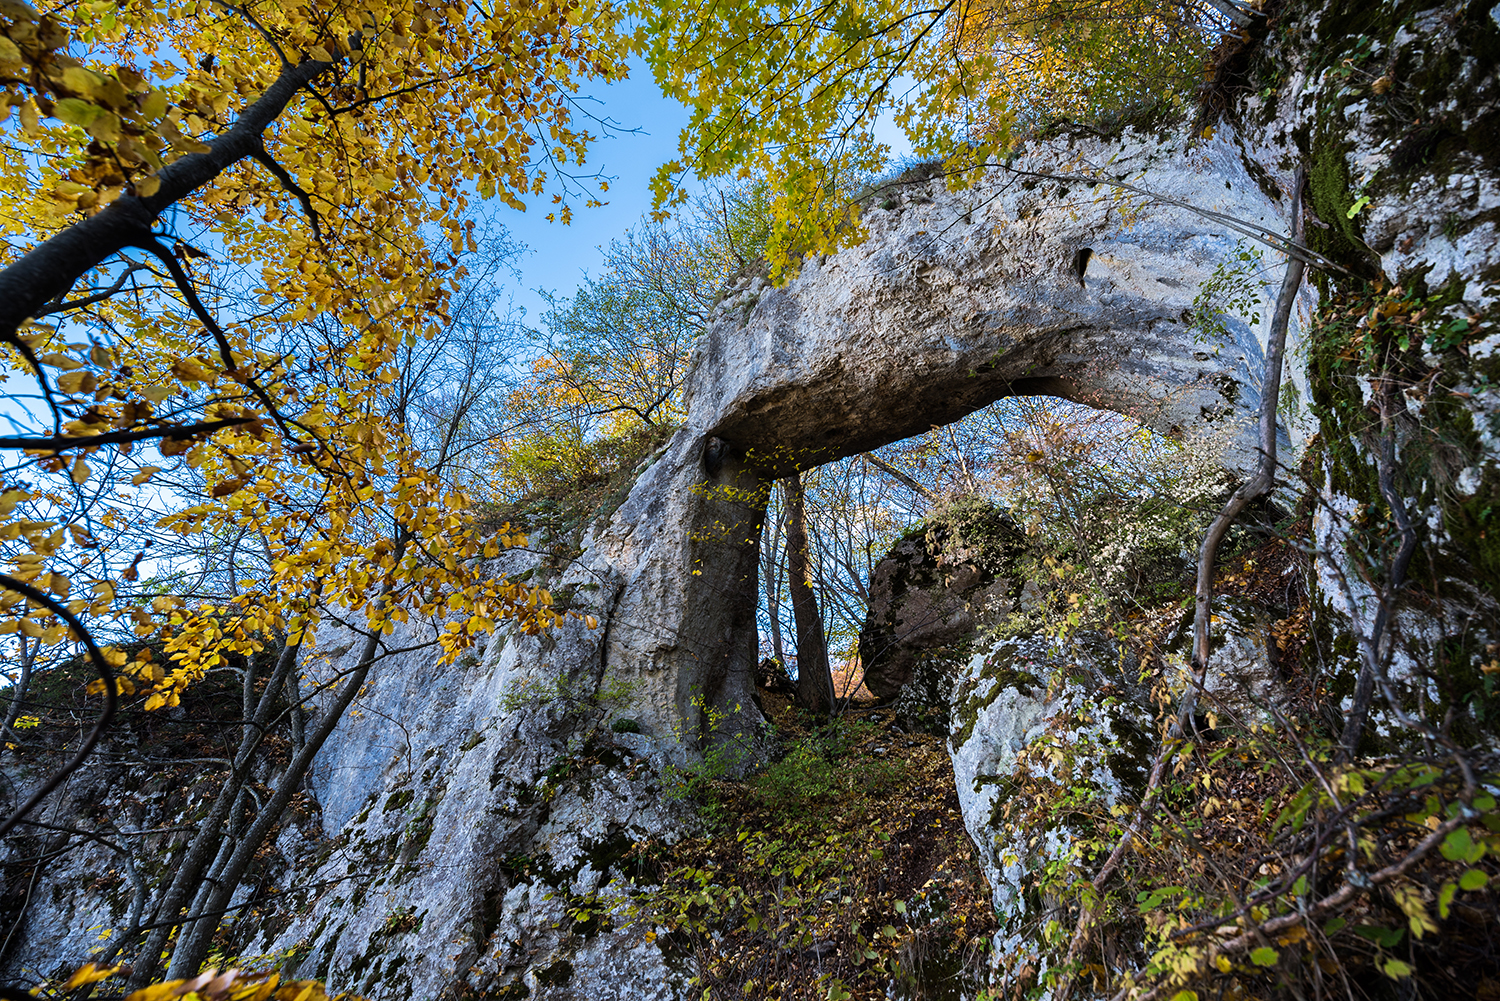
<point x="1032" y="715"/>
<point x="931" y="591"/>
<point x="452" y="802"/>
<point x="928" y="597"/>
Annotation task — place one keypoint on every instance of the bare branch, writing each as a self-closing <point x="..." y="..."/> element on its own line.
<point x="111" y="696"/>
<point x="89" y="300"/>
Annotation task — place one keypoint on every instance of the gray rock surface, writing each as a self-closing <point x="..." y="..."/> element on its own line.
<point x="1033" y="714"/>
<point x="927" y="594"/>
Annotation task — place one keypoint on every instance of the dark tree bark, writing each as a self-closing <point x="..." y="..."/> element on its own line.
<point x="50" y="269"/>
<point x="814" y="679"/>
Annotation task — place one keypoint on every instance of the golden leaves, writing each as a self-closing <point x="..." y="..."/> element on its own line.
<point x="230" y="985"/>
<point x="385" y="164"/>
<point x="89" y="974"/>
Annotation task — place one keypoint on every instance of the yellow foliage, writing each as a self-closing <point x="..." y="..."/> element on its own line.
<point x="282" y="432"/>
<point x="230" y="985"/>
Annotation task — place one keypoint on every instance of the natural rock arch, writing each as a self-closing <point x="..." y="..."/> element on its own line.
<point x="955" y="300"/>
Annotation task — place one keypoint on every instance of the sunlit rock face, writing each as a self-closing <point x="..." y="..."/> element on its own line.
<point x="1021" y="284"/>
<point x="954" y="300"/>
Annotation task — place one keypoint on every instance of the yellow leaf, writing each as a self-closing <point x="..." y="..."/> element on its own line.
<point x="188" y="370"/>
<point x="145" y="187"/>
<point x="77" y="381"/>
<point x="145" y="474"/>
<point x="89" y="974"/>
<point x="80" y="471"/>
<point x="76" y="111"/>
<point x="154" y="105"/>
<point x="57" y="359"/>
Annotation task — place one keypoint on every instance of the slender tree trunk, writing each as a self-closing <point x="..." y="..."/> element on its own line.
<point x="814" y="679"/>
<point x="1265" y="475"/>
<point x="20" y="686"/>
<point x="204" y="847"/>
<point x="773" y="585"/>
<point x="1380" y="641"/>
<point x="193" y="945"/>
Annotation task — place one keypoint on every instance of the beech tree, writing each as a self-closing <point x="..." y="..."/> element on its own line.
<point x="226" y="227"/>
<point x="791" y="93"/>
<point x="312" y="152"/>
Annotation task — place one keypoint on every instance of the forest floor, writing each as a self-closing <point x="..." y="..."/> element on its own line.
<point x="842" y="870"/>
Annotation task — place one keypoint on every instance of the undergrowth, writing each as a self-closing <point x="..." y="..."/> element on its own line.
<point x="842" y="870"/>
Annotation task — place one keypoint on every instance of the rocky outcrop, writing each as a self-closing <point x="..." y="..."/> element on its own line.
<point x="932" y="591"/>
<point x="1032" y="716"/>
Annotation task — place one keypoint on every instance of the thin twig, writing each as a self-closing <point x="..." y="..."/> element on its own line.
<point x="111" y="696"/>
<point x="89" y="300"/>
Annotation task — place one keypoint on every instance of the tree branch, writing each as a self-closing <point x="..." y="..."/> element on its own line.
<point x="900" y="477"/>
<point x="89" y="300"/>
<point x="176" y="432"/>
<point x="280" y="173"/>
<point x="51" y="268"/>
<point x="111" y="696"/>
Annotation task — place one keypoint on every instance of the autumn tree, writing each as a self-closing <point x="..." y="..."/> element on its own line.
<point x="609" y="364"/>
<point x="792" y="93"/>
<point x="226" y="230"/>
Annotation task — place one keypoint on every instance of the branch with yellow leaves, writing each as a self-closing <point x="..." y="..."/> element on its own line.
<point x="172" y="432"/>
<point x="48" y="270"/>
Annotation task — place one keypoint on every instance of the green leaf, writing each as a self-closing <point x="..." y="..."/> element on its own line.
<point x="1185" y="996"/>
<point x="1473" y="880"/>
<point x="1395" y="969"/>
<point x="1334" y="926"/>
<point x="1359" y="203"/>
<point x="1458" y="846"/>
<point x="1386" y="937"/>
<point x="75" y="111"/>
<point x="1445" y="899"/>
<point x="1264" y="956"/>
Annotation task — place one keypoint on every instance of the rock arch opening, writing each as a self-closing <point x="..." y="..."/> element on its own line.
<point x="951" y="304"/>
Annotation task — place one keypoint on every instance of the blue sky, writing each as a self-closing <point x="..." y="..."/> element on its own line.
<point x="558" y="255"/>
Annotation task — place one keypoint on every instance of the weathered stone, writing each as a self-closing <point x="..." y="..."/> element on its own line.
<point x="956" y="299"/>
<point x="1032" y="716"/>
<point x="930" y="592"/>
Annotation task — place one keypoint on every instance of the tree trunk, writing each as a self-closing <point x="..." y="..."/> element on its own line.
<point x="773" y="585"/>
<point x="814" y="679"/>
<point x="20" y="686"/>
<point x="207" y="842"/>
<point x="197" y="932"/>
